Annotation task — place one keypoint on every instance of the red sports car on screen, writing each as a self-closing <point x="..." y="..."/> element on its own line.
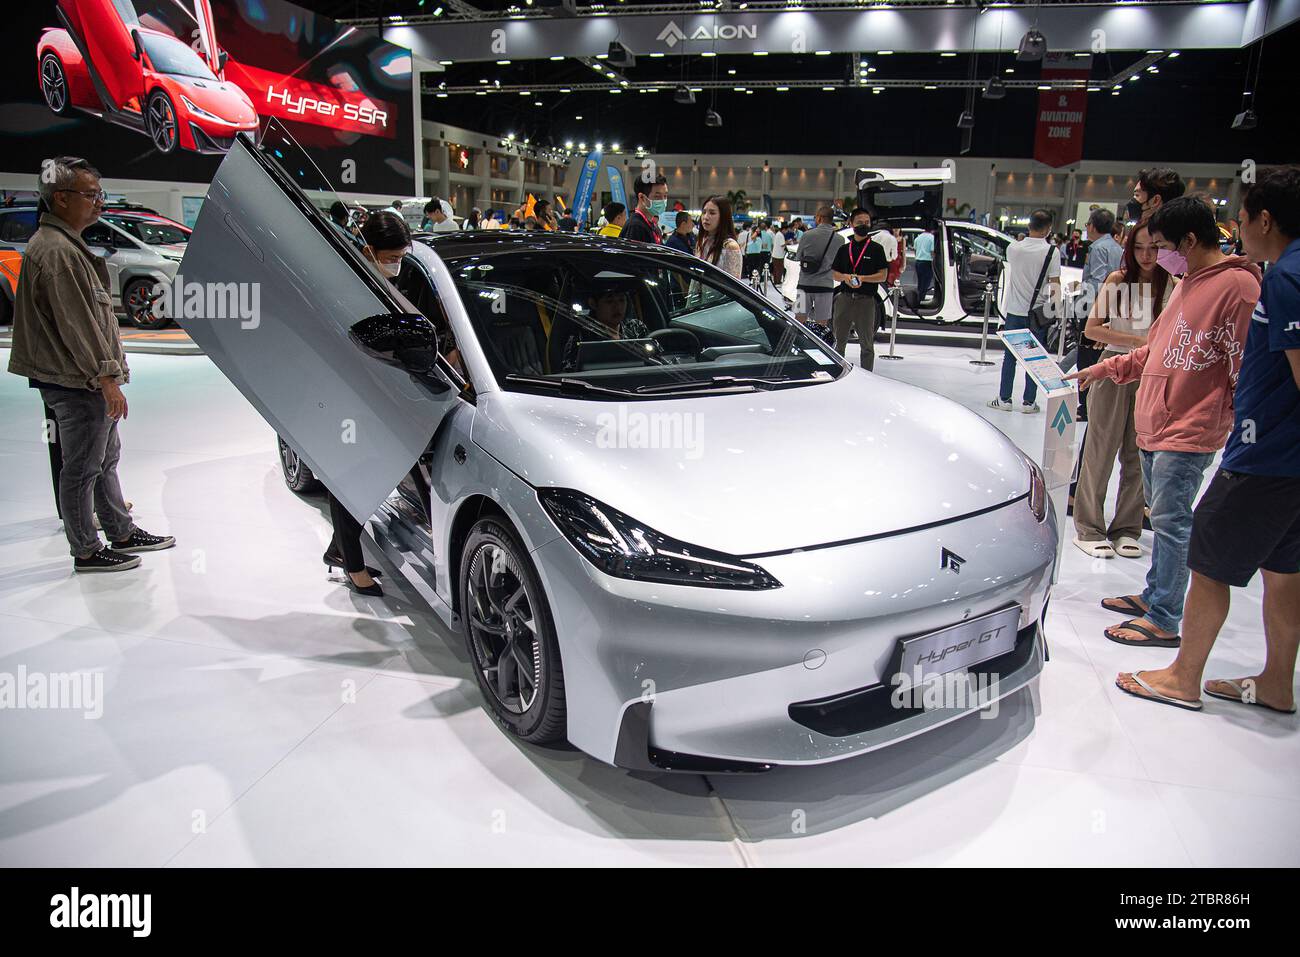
<point x="104" y="61"/>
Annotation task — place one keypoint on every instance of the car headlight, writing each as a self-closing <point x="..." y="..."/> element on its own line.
<point x="619" y="545"/>
<point x="200" y="111"/>
<point x="1037" y="492"/>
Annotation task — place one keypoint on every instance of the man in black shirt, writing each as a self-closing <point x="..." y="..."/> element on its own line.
<point x="683" y="237"/>
<point x="651" y="202"/>
<point x="859" y="266"/>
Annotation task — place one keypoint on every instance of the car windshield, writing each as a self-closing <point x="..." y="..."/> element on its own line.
<point x="595" y="323"/>
<point x="150" y="232"/>
<point x="169" y="55"/>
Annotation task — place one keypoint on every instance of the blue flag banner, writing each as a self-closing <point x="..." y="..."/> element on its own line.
<point x="617" y="191"/>
<point x="586" y="186"/>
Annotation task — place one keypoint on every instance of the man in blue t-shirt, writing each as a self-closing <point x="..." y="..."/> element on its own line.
<point x="1249" y="518"/>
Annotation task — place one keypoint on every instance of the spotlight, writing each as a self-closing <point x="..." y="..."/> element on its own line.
<point x="1032" y="46"/>
<point x="683" y="95"/>
<point x="1245" y="120"/>
<point x="966" y="121"/>
<point x="712" y="118"/>
<point x="620" y="55"/>
<point x="994" y="89"/>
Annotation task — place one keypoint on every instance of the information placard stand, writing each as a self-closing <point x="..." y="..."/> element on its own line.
<point x="1062" y="398"/>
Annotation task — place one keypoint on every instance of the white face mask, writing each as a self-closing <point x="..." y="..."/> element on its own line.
<point x="390" y="269"/>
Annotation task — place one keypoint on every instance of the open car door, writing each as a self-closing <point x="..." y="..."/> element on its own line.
<point x="102" y="31"/>
<point x="360" y="421"/>
<point x="902" y="197"/>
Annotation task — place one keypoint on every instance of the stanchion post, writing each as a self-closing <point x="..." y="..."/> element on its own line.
<point x="984" y="334"/>
<point x="895" y="292"/>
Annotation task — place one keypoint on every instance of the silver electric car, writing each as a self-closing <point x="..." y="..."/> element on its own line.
<point x="671" y="525"/>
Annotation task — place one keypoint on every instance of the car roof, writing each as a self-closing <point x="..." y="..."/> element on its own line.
<point x="494" y="242"/>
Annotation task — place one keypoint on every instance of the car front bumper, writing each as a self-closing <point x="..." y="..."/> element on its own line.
<point x="665" y="676"/>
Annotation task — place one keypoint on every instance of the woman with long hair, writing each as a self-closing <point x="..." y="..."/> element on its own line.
<point x="1127" y="303"/>
<point x="717" y="243"/>
<point x="474" y="221"/>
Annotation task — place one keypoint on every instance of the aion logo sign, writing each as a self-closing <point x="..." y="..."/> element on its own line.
<point x="673" y="34"/>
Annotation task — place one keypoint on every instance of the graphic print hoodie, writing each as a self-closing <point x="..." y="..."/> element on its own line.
<point x="1188" y="368"/>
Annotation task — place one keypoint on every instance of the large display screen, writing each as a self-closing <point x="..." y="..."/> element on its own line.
<point x="158" y="89"/>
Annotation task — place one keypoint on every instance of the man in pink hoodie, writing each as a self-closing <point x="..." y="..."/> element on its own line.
<point x="1187" y="371"/>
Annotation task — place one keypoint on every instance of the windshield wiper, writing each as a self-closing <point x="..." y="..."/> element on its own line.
<point x="724" y="383"/>
<point x="566" y="385"/>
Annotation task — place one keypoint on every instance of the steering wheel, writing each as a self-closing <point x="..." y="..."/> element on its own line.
<point x="677" y="341"/>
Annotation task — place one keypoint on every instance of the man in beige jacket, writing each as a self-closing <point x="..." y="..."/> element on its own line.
<point x="66" y="342"/>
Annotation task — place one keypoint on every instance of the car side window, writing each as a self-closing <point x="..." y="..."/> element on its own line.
<point x="98" y="234"/>
<point x="18" y="227"/>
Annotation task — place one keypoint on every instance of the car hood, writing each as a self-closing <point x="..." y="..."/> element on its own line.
<point x="222" y="99"/>
<point x="765" y="471"/>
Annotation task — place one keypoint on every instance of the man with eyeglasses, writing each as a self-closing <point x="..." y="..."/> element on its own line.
<point x="67" y="343"/>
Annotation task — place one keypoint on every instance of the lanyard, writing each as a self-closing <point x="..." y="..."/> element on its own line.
<point x="854" y="262"/>
<point x="653" y="228"/>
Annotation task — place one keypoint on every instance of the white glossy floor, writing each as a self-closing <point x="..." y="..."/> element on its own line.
<point x="257" y="713"/>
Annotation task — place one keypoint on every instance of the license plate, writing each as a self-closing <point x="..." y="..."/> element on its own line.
<point x="960" y="645"/>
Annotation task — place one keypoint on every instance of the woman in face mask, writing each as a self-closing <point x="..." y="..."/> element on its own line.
<point x="387" y="239"/>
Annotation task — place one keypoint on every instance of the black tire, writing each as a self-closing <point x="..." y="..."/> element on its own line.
<point x="160" y="122"/>
<point x="136" y="300"/>
<point x="54" y="84"/>
<point x="297" y="474"/>
<point x="6" y="310"/>
<point x="529" y="706"/>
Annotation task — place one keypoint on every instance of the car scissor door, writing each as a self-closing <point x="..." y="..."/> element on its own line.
<point x="102" y="30"/>
<point x="291" y="345"/>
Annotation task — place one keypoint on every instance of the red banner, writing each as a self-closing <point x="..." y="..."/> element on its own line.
<point x="1058" y="138"/>
<point x="288" y="97"/>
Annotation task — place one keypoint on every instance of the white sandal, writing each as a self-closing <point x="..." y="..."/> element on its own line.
<point x="1153" y="695"/>
<point x="1127" y="547"/>
<point x="1099" y="549"/>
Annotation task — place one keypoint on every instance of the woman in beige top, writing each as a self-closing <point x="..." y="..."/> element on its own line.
<point x="1127" y="303"/>
<point x="718" y="243"/>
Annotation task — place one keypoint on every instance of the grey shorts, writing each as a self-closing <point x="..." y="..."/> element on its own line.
<point x="817" y="306"/>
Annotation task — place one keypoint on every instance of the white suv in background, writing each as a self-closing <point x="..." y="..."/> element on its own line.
<point x="134" y="267"/>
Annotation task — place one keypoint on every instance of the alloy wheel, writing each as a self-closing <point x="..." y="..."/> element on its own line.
<point x="53" y="84"/>
<point x="292" y="464"/>
<point x="162" y="123"/>
<point x="503" y="629"/>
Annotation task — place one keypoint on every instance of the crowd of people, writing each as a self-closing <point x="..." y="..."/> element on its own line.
<point x="1188" y="350"/>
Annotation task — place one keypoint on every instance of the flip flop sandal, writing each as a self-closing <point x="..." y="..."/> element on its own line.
<point x="1098" y="549"/>
<point x="1127" y="548"/>
<point x="1152" y="640"/>
<point x="1153" y="695"/>
<point x="1240" y="697"/>
<point x="1125" y="606"/>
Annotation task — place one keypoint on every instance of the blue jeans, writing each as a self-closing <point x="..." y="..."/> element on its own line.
<point x="1009" y="365"/>
<point x="924" y="276"/>
<point x="1171" y="481"/>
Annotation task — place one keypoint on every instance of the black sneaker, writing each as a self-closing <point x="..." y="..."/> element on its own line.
<point x="142" y="541"/>
<point x="105" y="560"/>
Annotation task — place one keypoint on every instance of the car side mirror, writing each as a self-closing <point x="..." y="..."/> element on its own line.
<point x="407" y="341"/>
<point x="222" y="59"/>
<point x="135" y="38"/>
